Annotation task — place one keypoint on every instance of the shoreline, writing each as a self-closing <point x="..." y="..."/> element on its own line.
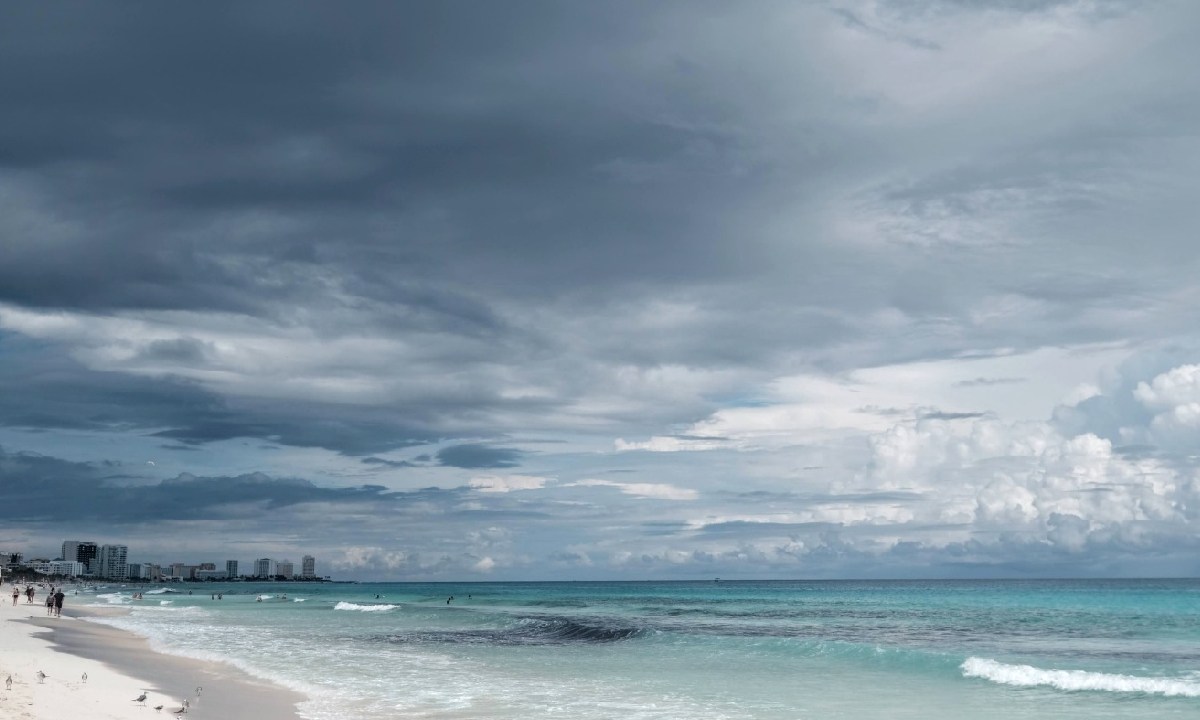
<point x="119" y="666"/>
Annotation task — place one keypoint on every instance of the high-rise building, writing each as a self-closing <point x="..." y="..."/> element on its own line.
<point x="308" y="566"/>
<point x="81" y="551"/>
<point x="66" y="568"/>
<point x="231" y="569"/>
<point x="70" y="550"/>
<point x="112" y="562"/>
<point x="284" y="568"/>
<point x="264" y="567"/>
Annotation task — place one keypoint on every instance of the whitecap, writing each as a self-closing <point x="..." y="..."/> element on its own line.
<point x="113" y="598"/>
<point x="343" y="605"/>
<point x="1076" y="680"/>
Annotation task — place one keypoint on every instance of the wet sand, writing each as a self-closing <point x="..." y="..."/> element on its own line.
<point x="119" y="667"/>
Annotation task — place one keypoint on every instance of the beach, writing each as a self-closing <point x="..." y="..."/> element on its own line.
<point x="119" y="667"/>
<point x="753" y="650"/>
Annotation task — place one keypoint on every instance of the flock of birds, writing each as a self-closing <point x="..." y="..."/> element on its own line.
<point x="183" y="707"/>
<point x="141" y="699"/>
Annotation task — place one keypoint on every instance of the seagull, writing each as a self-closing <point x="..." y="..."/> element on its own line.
<point x="41" y="676"/>
<point x="140" y="699"/>
<point x="158" y="707"/>
<point x="85" y="677"/>
<point x="8" y="682"/>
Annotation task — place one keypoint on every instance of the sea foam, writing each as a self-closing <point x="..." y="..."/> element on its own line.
<point x="343" y="605"/>
<point x="1076" y="680"/>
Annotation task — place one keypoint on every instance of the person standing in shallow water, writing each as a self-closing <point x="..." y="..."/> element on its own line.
<point x="58" y="602"/>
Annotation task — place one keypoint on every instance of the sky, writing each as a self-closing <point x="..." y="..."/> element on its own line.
<point x="619" y="290"/>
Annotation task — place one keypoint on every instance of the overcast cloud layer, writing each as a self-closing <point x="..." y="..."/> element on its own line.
<point x="609" y="290"/>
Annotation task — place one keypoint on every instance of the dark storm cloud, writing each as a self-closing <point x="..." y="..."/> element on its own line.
<point x="45" y="390"/>
<point x="180" y="448"/>
<point x="180" y="351"/>
<point x="315" y="425"/>
<point x="445" y="169"/>
<point x="385" y="463"/>
<point x="183" y="119"/>
<point x="38" y="488"/>
<point x="473" y="455"/>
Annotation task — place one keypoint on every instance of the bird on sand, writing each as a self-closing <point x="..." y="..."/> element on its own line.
<point x="140" y="699"/>
<point x="85" y="677"/>
<point x="158" y="707"/>
<point x="41" y="675"/>
<point x="8" y="682"/>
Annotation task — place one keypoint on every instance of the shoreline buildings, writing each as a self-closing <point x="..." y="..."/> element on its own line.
<point x="87" y="559"/>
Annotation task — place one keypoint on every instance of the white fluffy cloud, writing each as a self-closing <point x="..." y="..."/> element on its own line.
<point x="1026" y="478"/>
<point x="1174" y="398"/>
<point x="657" y="491"/>
<point x="506" y="483"/>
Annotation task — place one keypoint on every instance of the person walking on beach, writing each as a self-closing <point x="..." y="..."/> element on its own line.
<point x="16" y="594"/>
<point x="58" y="602"/>
<point x="49" y="605"/>
<point x="29" y="592"/>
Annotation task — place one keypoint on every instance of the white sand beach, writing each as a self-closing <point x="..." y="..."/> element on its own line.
<point x="119" y="667"/>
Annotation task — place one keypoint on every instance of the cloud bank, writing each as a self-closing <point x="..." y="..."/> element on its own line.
<point x="854" y="288"/>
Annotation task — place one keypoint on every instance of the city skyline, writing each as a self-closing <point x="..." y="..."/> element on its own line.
<point x="110" y="561"/>
<point x="620" y="290"/>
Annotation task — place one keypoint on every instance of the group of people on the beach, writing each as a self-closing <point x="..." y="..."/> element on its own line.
<point x="54" y="600"/>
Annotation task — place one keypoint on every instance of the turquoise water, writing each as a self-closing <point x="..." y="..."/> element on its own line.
<point x="706" y="650"/>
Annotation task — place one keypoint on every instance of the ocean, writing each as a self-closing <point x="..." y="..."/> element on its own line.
<point x="698" y="650"/>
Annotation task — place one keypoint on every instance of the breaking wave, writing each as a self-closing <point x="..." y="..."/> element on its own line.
<point x="343" y="605"/>
<point x="1077" y="680"/>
